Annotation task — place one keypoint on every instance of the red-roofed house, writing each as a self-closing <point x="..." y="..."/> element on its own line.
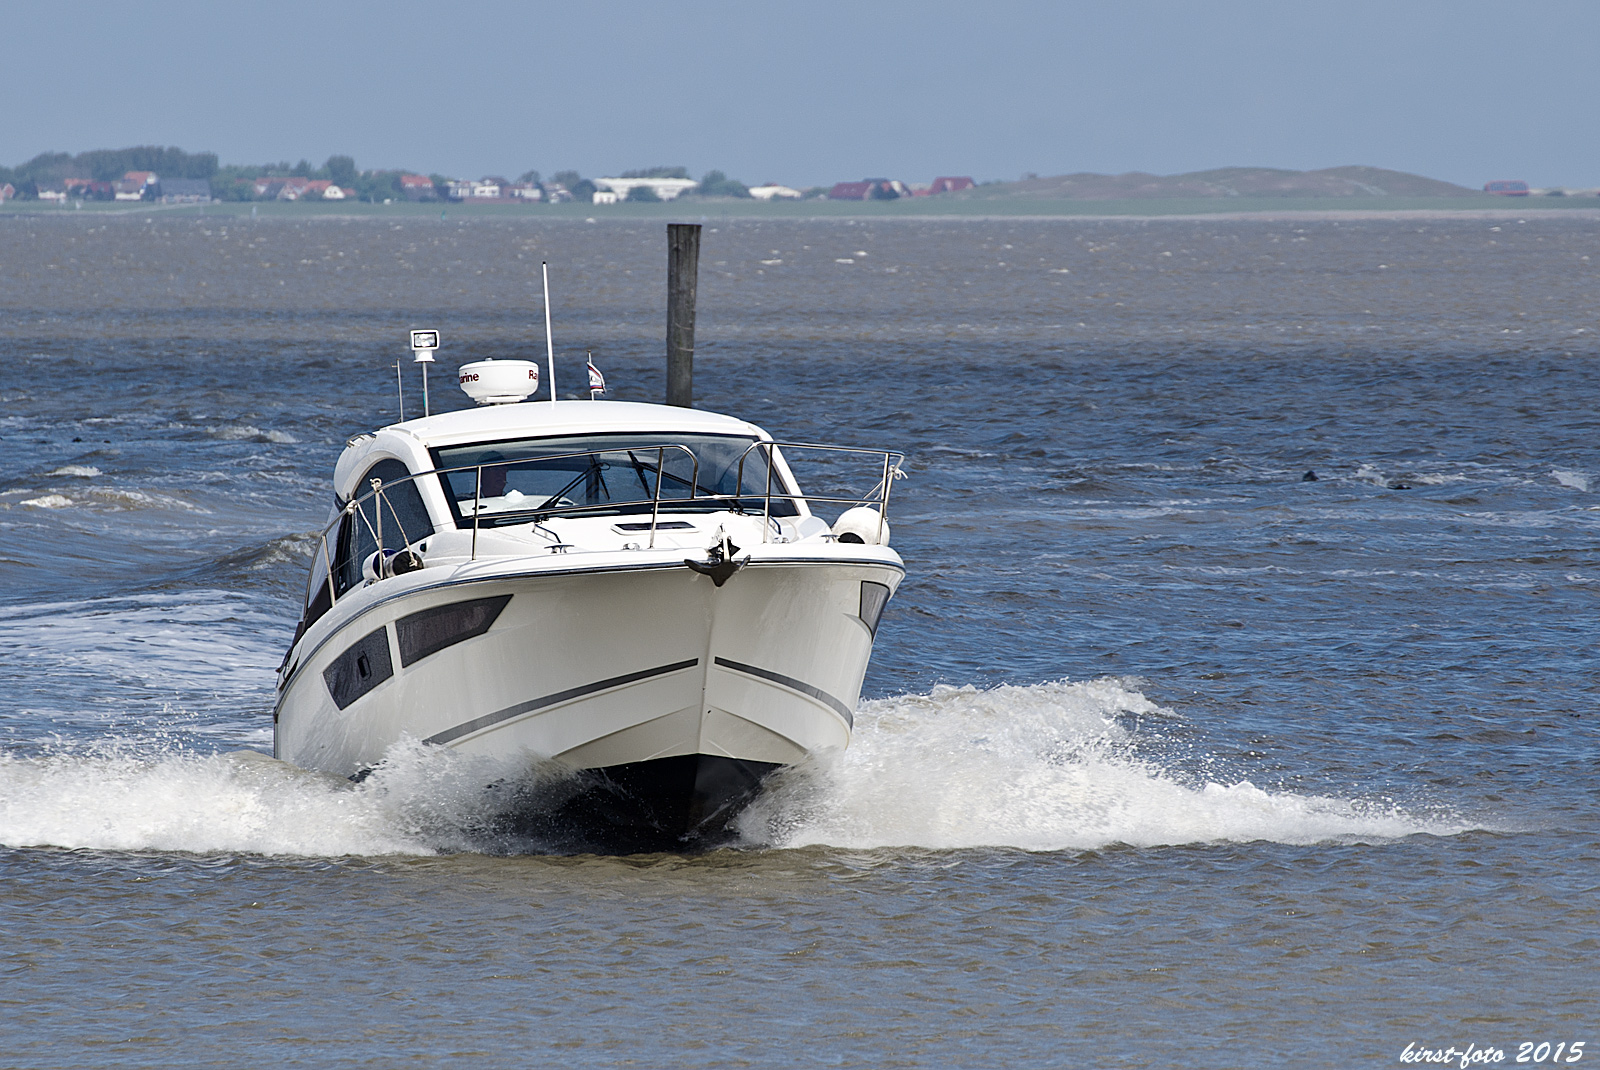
<point x="89" y="189"/>
<point x="850" y="191"/>
<point x="136" y="184"/>
<point x="871" y="189"/>
<point x="951" y="185"/>
<point x="416" y="187"/>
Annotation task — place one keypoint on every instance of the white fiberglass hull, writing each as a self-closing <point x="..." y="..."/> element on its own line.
<point x="629" y="658"/>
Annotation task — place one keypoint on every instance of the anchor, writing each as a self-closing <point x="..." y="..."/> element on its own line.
<point x="719" y="563"/>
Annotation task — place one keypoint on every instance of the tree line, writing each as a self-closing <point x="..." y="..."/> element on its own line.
<point x="51" y="169"/>
<point x="236" y="182"/>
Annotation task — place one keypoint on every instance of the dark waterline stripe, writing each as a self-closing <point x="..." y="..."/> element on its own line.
<point x="477" y="724"/>
<point x="790" y="682"/>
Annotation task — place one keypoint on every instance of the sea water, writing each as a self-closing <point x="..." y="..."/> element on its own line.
<point x="1170" y="754"/>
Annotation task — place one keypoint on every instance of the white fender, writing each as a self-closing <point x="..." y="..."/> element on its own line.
<point x="862" y="524"/>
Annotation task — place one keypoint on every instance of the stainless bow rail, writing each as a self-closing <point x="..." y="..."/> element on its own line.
<point x="878" y="495"/>
<point x="377" y="496"/>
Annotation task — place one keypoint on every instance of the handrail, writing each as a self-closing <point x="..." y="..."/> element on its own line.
<point x="354" y="505"/>
<point x="379" y="488"/>
<point x="891" y="471"/>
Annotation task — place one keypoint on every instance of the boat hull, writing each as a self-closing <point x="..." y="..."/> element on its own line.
<point x="671" y="695"/>
<point x="686" y="802"/>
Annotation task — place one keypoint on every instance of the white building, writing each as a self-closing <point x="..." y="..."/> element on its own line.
<point x="771" y="190"/>
<point x="665" y="188"/>
<point x="605" y="196"/>
<point x="134" y="184"/>
<point x="185" y="191"/>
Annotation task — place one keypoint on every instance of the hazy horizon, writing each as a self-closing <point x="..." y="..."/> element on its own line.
<point x="1462" y="91"/>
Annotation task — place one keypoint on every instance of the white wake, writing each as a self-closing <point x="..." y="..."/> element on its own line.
<point x="1044" y="768"/>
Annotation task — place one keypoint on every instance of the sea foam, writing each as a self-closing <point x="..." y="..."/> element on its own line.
<point x="1045" y="767"/>
<point x="218" y="804"/>
<point x="1568" y="478"/>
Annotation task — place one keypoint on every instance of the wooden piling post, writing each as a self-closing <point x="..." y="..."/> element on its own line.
<point x="683" y="274"/>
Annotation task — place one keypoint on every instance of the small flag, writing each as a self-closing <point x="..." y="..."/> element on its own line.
<point x="597" y="382"/>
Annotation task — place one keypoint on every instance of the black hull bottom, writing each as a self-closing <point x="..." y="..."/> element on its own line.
<point x="684" y="803"/>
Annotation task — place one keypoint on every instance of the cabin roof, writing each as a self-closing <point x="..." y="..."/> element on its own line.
<point x="540" y="418"/>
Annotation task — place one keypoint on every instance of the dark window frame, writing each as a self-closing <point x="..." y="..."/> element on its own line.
<point x="404" y="509"/>
<point x="564" y="444"/>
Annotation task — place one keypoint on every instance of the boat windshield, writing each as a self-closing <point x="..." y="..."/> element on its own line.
<point x="617" y="475"/>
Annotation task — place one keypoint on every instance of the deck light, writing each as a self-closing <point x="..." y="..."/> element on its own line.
<point x="423" y="343"/>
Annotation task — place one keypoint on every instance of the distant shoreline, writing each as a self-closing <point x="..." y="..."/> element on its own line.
<point x="1307" y="209"/>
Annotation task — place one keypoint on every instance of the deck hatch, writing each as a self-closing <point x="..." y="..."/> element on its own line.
<point x="362" y="667"/>
<point x="664" y="525"/>
<point x="429" y="631"/>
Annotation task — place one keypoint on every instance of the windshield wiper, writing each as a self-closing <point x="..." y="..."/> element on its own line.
<point x="555" y="499"/>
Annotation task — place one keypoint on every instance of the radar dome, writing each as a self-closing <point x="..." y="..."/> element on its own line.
<point x="499" y="382"/>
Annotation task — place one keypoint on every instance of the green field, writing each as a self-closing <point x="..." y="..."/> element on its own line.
<point x="921" y="207"/>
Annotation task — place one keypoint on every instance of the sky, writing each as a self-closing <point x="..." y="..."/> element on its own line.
<point x="810" y="93"/>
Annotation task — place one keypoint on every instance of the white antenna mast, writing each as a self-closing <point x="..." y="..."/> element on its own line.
<point x="400" y="388"/>
<point x="549" y="343"/>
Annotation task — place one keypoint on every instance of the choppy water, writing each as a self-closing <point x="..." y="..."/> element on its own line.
<point x="1172" y="758"/>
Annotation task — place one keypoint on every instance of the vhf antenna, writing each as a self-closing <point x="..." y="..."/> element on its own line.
<point x="549" y="343"/>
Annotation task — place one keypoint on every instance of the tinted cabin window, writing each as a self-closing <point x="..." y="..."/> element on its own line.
<point x="528" y="476"/>
<point x="404" y="521"/>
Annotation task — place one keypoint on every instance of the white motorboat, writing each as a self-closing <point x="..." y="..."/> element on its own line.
<point x="640" y="592"/>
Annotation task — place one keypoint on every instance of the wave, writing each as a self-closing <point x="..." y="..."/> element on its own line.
<point x="198" y="641"/>
<point x="1047" y="767"/>
<point x="1569" y="478"/>
<point x="250" y="433"/>
<point x="49" y="501"/>
<point x="107" y="500"/>
<point x="297" y="549"/>
<point x="1377" y="477"/>
<point x="189" y="803"/>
